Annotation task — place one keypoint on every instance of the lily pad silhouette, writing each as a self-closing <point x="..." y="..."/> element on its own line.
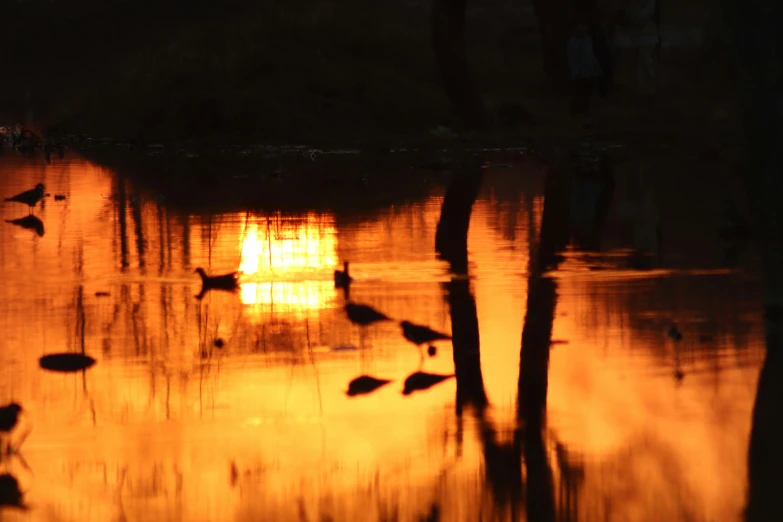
<point x="66" y="362"/>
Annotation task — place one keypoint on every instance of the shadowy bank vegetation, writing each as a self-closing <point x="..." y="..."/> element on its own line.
<point x="276" y="72"/>
<point x="183" y="70"/>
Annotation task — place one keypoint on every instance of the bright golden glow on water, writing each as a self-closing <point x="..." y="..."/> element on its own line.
<point x="287" y="251"/>
<point x="170" y="426"/>
<point x="283" y="246"/>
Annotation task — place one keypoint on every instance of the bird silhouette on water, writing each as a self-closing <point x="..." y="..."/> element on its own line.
<point x="341" y="277"/>
<point x="9" y="416"/>
<point x="363" y="316"/>
<point x="419" y="335"/>
<point x="365" y="384"/>
<point x="418" y="381"/>
<point x="29" y="197"/>
<point x="225" y="282"/>
<point x="30" y="223"/>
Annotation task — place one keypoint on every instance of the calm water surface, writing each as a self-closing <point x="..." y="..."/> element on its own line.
<point x="168" y="427"/>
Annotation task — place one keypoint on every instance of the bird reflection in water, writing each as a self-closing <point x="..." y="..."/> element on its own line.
<point x="10" y="494"/>
<point x="29" y="222"/>
<point x="9" y="418"/>
<point x="365" y="384"/>
<point x="419" y="381"/>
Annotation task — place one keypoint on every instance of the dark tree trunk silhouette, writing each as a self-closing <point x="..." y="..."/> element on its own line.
<point x="755" y="26"/>
<point x="552" y="18"/>
<point x="447" y="23"/>
<point x="765" y="454"/>
<point x="451" y="236"/>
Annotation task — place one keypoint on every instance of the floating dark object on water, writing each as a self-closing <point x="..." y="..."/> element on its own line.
<point x="345" y="348"/>
<point x="432" y="351"/>
<point x="674" y="333"/>
<point x="29" y="222"/>
<point x="364" y="315"/>
<point x="59" y="197"/>
<point x="29" y="197"/>
<point x="365" y="384"/>
<point x="225" y="282"/>
<point x="10" y="495"/>
<point x="66" y="362"/>
<point x="679" y="375"/>
<point x="102" y="294"/>
<point x="418" y="381"/>
<point x="341" y="277"/>
<point x="219" y="343"/>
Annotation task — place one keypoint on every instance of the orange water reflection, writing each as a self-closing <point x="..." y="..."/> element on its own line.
<point x="169" y="427"/>
<point x="287" y="251"/>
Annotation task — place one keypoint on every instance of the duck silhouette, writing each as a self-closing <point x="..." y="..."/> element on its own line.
<point x="9" y="416"/>
<point x="341" y="277"/>
<point x="674" y="333"/>
<point x="419" y="381"/>
<point x="365" y="384"/>
<point x="225" y="282"/>
<point x="29" y="197"/>
<point x="30" y="223"/>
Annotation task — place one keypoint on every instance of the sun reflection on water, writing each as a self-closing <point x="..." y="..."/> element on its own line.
<point x="281" y="257"/>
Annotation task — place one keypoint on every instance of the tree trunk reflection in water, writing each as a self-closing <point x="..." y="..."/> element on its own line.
<point x="123" y="221"/>
<point x="139" y="229"/>
<point x="755" y="25"/>
<point x="451" y="236"/>
<point x="503" y="462"/>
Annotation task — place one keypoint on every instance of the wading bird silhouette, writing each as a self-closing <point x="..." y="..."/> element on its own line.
<point x="365" y="384"/>
<point x="363" y="316"/>
<point x="419" y="335"/>
<point x="29" y="197"/>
